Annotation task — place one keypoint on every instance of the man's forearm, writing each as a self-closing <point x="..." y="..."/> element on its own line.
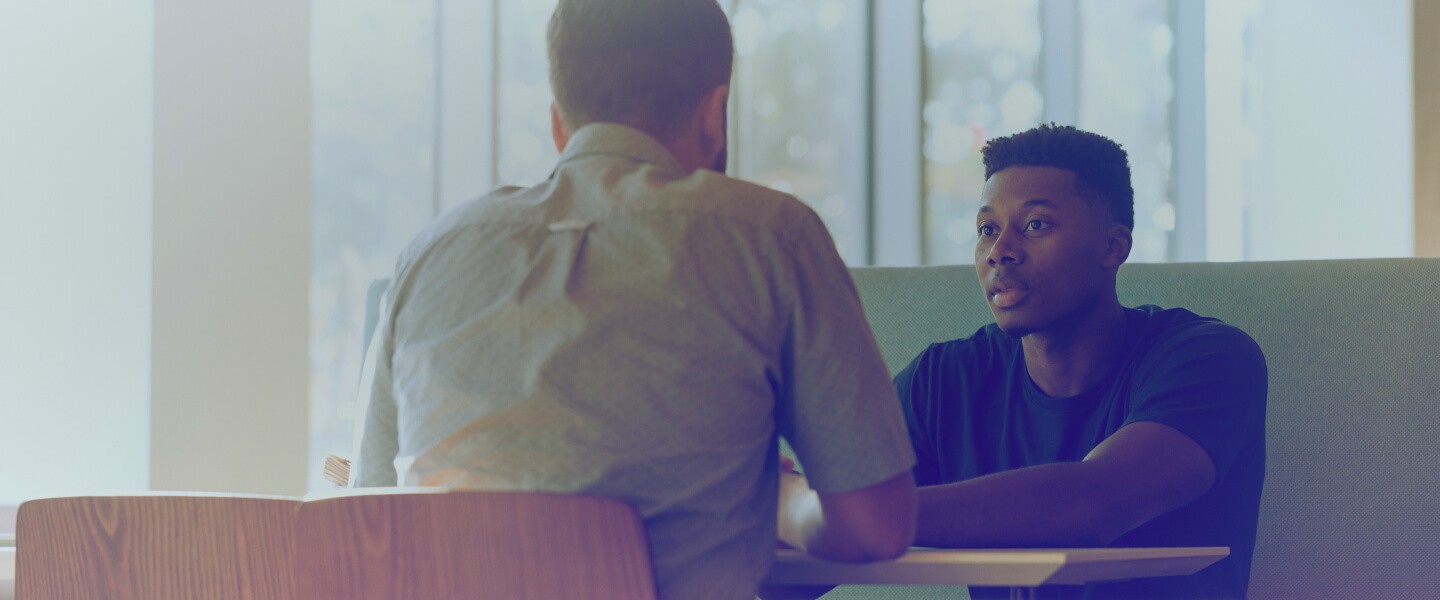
<point x="803" y="526"/>
<point x="872" y="523"/>
<point x="1053" y="505"/>
<point x="1140" y="472"/>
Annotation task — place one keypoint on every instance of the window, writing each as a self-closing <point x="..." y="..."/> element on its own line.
<point x="799" y="108"/>
<point x="526" y="152"/>
<point x="1126" y="91"/>
<point x="373" y="66"/>
<point x="982" y="80"/>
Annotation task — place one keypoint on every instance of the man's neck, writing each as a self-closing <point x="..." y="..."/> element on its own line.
<point x="1069" y="361"/>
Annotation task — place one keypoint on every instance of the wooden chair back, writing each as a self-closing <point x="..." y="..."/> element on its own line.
<point x="156" y="547"/>
<point x="426" y="543"/>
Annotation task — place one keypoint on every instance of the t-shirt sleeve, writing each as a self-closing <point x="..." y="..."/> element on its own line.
<point x="837" y="407"/>
<point x="915" y="385"/>
<point x="1209" y="382"/>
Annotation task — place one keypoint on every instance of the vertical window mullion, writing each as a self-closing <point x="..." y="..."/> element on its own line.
<point x="897" y="92"/>
<point x="1060" y="61"/>
<point x="1188" y="122"/>
<point x="437" y="146"/>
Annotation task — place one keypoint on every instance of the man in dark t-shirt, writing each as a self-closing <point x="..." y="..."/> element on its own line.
<point x="1073" y="421"/>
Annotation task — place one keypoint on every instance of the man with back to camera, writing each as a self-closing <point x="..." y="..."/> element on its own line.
<point x="641" y="326"/>
<point x="1074" y="421"/>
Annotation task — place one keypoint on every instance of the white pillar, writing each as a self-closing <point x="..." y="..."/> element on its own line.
<point x="230" y="369"/>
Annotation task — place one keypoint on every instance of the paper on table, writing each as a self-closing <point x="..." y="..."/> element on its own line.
<point x="337" y="470"/>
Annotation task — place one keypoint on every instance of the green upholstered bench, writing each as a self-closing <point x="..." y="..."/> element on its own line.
<point x="1351" y="507"/>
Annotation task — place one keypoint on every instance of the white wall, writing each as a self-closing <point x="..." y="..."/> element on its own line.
<point x="1335" y="155"/>
<point x="75" y="162"/>
<point x="154" y="246"/>
<point x="231" y="246"/>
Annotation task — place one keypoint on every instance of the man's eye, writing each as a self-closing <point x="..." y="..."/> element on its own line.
<point x="986" y="230"/>
<point x="1036" y="225"/>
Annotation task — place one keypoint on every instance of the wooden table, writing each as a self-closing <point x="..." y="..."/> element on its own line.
<point x="798" y="575"/>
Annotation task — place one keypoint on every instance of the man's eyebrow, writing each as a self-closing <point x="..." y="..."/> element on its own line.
<point x="1028" y="203"/>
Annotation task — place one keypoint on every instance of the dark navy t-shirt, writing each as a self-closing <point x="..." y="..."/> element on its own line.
<point x="973" y="410"/>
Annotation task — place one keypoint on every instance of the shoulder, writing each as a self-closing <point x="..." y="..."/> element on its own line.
<point x="1179" y="325"/>
<point x="959" y="360"/>
<point x="450" y="232"/>
<point x="742" y="203"/>
<point x="1177" y="333"/>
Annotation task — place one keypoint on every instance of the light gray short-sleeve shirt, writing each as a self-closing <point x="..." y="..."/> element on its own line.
<point x="629" y="330"/>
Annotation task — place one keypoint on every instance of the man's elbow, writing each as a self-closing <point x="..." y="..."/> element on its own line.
<point x="877" y="523"/>
<point x="869" y="545"/>
<point x="1105" y="523"/>
<point x="892" y="546"/>
<point x="1095" y="536"/>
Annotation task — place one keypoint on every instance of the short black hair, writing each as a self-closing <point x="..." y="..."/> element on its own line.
<point x="643" y="63"/>
<point x="1100" y="165"/>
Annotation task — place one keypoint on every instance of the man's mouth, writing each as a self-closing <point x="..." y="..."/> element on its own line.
<point x="1008" y="298"/>
<point x="1008" y="293"/>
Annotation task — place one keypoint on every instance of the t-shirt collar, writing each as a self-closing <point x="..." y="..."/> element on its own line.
<point x="1088" y="399"/>
<point x="617" y="139"/>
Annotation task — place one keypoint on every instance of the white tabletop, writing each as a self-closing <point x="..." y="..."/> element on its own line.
<point x="1008" y="568"/>
<point x="928" y="566"/>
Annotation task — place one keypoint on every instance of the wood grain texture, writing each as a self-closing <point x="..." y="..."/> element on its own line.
<point x="464" y="544"/>
<point x="157" y="547"/>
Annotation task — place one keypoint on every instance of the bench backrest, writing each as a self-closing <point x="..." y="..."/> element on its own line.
<point x="157" y="546"/>
<point x="440" y="543"/>
<point x="1351" y="505"/>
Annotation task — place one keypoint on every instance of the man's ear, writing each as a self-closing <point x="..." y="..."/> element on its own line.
<point x="557" y="129"/>
<point x="1118" y="242"/>
<point x="713" y="123"/>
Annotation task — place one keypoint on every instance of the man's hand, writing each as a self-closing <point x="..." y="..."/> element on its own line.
<point x="794" y="491"/>
<point x="787" y="465"/>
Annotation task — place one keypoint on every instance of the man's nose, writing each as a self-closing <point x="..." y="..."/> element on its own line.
<point x="1005" y="251"/>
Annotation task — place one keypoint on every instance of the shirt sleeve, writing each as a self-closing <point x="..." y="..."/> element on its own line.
<point x="1209" y="382"/>
<point x="379" y="437"/>
<point x="914" y="386"/>
<point x="837" y="407"/>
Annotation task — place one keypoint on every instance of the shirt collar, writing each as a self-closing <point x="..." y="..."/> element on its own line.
<point x="619" y="140"/>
